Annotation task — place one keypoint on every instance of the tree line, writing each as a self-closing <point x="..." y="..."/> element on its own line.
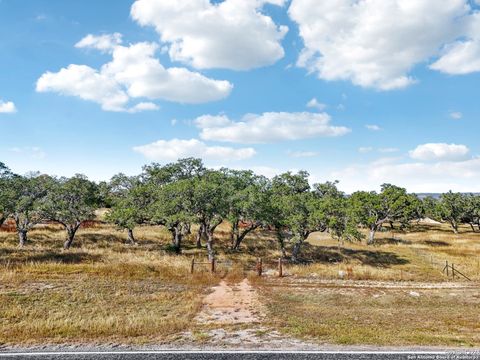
<point x="183" y="193"/>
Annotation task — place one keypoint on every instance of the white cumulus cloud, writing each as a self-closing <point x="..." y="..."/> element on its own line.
<point x="437" y="176"/>
<point x="105" y="43"/>
<point x="133" y="73"/>
<point x="268" y="127"/>
<point x="171" y="150"/>
<point x="144" y="106"/>
<point x="232" y="34"/>
<point x="440" y="152"/>
<point x="7" y="107"/>
<point x="315" y="104"/>
<point x="462" y="56"/>
<point x="376" y="43"/>
<point x="86" y="83"/>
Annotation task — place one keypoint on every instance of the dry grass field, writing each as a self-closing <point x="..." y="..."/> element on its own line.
<point x="104" y="291"/>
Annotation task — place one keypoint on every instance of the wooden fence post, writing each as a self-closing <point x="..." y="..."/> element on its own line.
<point x="280" y="267"/>
<point x="213" y="265"/>
<point x="259" y="267"/>
<point x="192" y="265"/>
<point x="446" y="266"/>
<point x="453" y="271"/>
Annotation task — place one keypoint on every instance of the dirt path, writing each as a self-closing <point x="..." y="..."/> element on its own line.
<point x="232" y="315"/>
<point x="231" y="304"/>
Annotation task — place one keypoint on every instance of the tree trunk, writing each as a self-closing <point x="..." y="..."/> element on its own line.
<point x="22" y="237"/>
<point x="70" y="236"/>
<point x="296" y="250"/>
<point x="177" y="239"/>
<point x="188" y="229"/>
<point x="454" y="226"/>
<point x="234" y="234"/>
<point x="2" y="219"/>
<point x="240" y="236"/>
<point x="473" y="228"/>
<point x="130" y="237"/>
<point x="209" y="230"/>
<point x="281" y="242"/>
<point x="200" y="233"/>
<point x="391" y="225"/>
<point x="371" y="236"/>
<point x="211" y="253"/>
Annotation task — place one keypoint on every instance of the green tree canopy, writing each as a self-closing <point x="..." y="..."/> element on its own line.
<point x="70" y="201"/>
<point x="22" y="198"/>
<point x="210" y="204"/>
<point x="452" y="208"/>
<point x="129" y="199"/>
<point x="5" y="176"/>
<point x="248" y="203"/>
<point x="393" y="203"/>
<point x="173" y="208"/>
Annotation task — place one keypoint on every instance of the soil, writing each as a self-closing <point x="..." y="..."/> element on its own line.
<point x="231" y="304"/>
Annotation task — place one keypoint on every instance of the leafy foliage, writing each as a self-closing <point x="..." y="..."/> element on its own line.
<point x="392" y="204"/>
<point x="70" y="201"/>
<point x="129" y="199"/>
<point x="22" y="197"/>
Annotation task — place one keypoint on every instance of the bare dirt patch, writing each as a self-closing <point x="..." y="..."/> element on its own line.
<point x="231" y="304"/>
<point x="232" y="317"/>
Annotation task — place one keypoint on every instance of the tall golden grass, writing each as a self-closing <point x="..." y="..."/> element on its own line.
<point x="103" y="290"/>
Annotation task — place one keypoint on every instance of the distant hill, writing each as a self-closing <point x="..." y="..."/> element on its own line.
<point x="437" y="195"/>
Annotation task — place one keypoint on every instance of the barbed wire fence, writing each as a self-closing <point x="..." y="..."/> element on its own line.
<point x="449" y="269"/>
<point x="259" y="268"/>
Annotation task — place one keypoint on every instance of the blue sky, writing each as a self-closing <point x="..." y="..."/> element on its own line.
<point x="396" y="101"/>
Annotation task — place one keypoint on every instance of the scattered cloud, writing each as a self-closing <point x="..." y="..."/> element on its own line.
<point x="373" y="127"/>
<point x="86" y="83"/>
<point x="365" y="149"/>
<point x="266" y="171"/>
<point x="438" y="176"/>
<point x="368" y="149"/>
<point x="232" y="34"/>
<point x="33" y="152"/>
<point x="302" y="154"/>
<point x="440" y="152"/>
<point x="7" y="107"/>
<point x="171" y="150"/>
<point x="268" y="127"/>
<point x="315" y="104"/>
<point x="388" y="150"/>
<point x="376" y="43"/>
<point x="144" y="106"/>
<point x="456" y="115"/>
<point x="462" y="56"/>
<point x="105" y="43"/>
<point x="133" y="73"/>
